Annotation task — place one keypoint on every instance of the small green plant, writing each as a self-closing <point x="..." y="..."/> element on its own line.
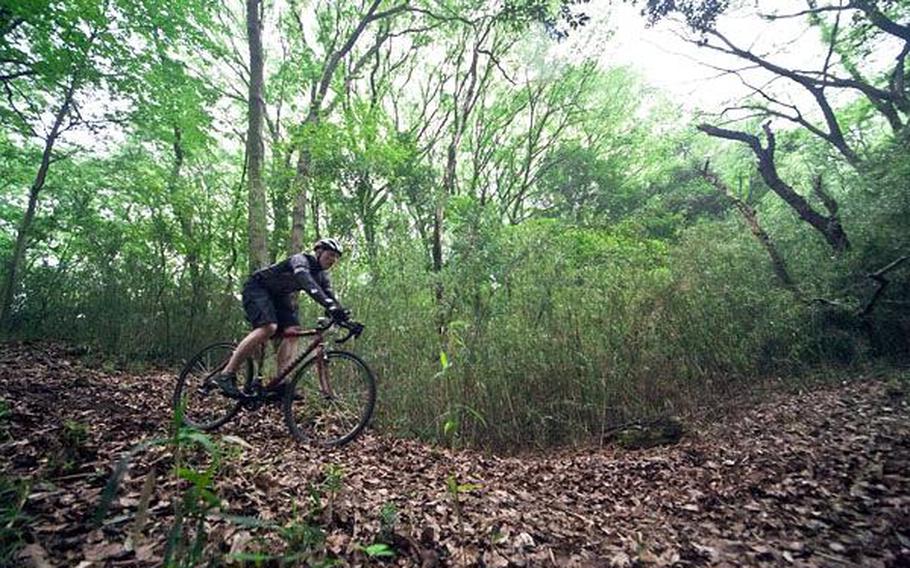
<point x="13" y="521"/>
<point x="331" y="486"/>
<point x="75" y="434"/>
<point x="5" y="416"/>
<point x="304" y="537"/>
<point x="455" y="490"/>
<point x="303" y="540"/>
<point x="388" y="518"/>
<point x="898" y="386"/>
<point x="186" y="539"/>
<point x="450" y="431"/>
<point x="378" y="550"/>
<point x="72" y="449"/>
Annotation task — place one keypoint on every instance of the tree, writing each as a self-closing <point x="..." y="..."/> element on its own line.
<point x="846" y="40"/>
<point x="255" y="150"/>
<point x="60" y="56"/>
<point x="339" y="45"/>
<point x="828" y="225"/>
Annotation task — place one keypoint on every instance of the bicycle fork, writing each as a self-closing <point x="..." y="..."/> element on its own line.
<point x="322" y="371"/>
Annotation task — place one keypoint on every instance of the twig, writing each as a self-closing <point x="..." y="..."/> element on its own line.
<point x="882" y="282"/>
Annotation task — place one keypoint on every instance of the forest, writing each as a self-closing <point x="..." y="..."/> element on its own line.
<point x="544" y="245"/>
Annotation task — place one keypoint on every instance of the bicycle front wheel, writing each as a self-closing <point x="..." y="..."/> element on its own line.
<point x="333" y="405"/>
<point x="205" y="406"/>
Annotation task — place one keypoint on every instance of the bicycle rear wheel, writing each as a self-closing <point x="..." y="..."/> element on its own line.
<point x="206" y="407"/>
<point x="336" y="412"/>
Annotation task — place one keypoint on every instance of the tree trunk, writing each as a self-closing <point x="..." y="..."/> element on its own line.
<point x="281" y="203"/>
<point x="751" y="218"/>
<point x="259" y="255"/>
<point x="366" y="194"/>
<point x="448" y="190"/>
<point x="829" y="226"/>
<point x="15" y="261"/>
<point x="185" y="218"/>
<point x="319" y="93"/>
<point x="298" y="216"/>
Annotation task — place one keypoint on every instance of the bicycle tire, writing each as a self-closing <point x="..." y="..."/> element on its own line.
<point x="336" y="420"/>
<point x="207" y="362"/>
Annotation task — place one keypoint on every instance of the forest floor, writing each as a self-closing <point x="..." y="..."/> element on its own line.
<point x="811" y="478"/>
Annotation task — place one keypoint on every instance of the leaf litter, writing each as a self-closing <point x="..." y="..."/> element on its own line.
<point x="819" y="478"/>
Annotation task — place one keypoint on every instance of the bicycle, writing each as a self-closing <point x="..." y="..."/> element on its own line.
<point x="331" y="408"/>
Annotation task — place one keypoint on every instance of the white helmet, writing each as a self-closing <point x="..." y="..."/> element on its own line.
<point x="329" y="244"/>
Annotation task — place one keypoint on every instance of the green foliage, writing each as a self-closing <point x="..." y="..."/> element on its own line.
<point x="72" y="449"/>
<point x="898" y="387"/>
<point x="5" y="415"/>
<point x="379" y="550"/>
<point x="197" y="459"/>
<point x="587" y="276"/>
<point x="388" y="519"/>
<point x="302" y="539"/>
<point x="13" y="521"/>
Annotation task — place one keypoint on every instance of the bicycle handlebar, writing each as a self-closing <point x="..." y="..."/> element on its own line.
<point x="354" y="328"/>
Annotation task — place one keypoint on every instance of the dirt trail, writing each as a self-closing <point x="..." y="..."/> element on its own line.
<point x="815" y="479"/>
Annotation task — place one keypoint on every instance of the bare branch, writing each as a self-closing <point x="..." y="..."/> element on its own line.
<point x="882" y="283"/>
<point x="12" y="103"/>
<point x="819" y="189"/>
<point x="810" y="11"/>
<point x="390" y="12"/>
<point x="15" y="75"/>
<point x="737" y="135"/>
<point x="440" y="18"/>
<point x="834" y="135"/>
<point x="880" y="20"/>
<point x="749" y="215"/>
<point x="831" y="45"/>
<point x="896" y="83"/>
<point x="829" y="226"/>
<point x="495" y="61"/>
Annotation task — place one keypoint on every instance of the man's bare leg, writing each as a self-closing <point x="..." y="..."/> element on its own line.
<point x="248" y="345"/>
<point x="286" y="352"/>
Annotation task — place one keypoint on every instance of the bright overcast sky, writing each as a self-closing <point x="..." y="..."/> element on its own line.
<point x="675" y="66"/>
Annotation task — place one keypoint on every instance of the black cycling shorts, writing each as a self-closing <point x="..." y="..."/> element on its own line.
<point x="263" y="308"/>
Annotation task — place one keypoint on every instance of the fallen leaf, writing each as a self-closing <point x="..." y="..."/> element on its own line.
<point x="34" y="556"/>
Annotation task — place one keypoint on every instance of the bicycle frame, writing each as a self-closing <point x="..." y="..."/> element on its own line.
<point x="317" y="346"/>
<point x="332" y="414"/>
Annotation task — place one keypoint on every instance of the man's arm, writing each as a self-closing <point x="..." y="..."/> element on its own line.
<point x="326" y="284"/>
<point x="308" y="284"/>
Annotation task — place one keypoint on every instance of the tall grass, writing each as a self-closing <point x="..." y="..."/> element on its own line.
<point x="585" y="331"/>
<point x="548" y="333"/>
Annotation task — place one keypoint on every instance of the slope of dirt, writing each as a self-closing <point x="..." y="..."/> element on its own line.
<point x="815" y="479"/>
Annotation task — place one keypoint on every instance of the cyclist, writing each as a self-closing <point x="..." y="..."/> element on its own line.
<point x="269" y="304"/>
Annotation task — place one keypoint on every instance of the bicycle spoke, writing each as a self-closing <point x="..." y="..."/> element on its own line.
<point x="334" y="419"/>
<point x="205" y="406"/>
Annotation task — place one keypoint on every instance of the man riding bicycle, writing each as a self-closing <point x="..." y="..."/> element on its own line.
<point x="269" y="304"/>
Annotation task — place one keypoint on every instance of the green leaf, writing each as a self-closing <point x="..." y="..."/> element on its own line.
<point x="443" y="360"/>
<point x="245" y="521"/>
<point x="452" y="484"/>
<point x="198" y="479"/>
<point x="255" y="557"/>
<point x="379" y="550"/>
<point x="449" y="428"/>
